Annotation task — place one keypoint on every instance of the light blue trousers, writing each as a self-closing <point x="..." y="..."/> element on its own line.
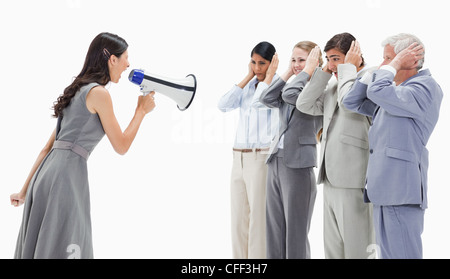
<point x="398" y="231"/>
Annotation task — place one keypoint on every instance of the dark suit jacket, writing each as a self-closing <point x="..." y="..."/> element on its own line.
<point x="299" y="129"/>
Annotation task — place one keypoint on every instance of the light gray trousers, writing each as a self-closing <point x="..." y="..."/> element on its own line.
<point x="348" y="224"/>
<point x="291" y="194"/>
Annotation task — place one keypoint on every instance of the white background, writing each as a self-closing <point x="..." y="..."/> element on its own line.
<point x="168" y="197"/>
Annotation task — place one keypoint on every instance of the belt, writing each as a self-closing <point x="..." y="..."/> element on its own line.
<point x="250" y="150"/>
<point x="59" y="144"/>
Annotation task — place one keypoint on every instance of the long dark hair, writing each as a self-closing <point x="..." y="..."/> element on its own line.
<point x="265" y="49"/>
<point x="342" y="42"/>
<point x="95" y="67"/>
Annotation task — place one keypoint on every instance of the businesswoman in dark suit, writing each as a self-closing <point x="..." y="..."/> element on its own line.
<point x="291" y="182"/>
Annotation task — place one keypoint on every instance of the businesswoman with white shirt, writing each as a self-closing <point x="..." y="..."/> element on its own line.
<point x="256" y="128"/>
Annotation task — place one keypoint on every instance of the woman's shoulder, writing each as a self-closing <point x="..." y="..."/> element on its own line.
<point x="93" y="85"/>
<point x="97" y="97"/>
<point x="98" y="92"/>
<point x="97" y="88"/>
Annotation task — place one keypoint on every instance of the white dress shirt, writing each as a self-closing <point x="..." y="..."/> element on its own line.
<point x="258" y="124"/>
<point x="263" y="86"/>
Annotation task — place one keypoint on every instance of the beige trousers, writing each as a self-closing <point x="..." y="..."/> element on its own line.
<point x="248" y="205"/>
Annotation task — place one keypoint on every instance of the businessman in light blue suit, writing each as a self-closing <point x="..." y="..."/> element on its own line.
<point x="404" y="103"/>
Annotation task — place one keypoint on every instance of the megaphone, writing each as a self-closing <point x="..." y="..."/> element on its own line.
<point x="182" y="91"/>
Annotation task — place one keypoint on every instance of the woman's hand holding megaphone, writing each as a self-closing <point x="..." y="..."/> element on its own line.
<point x="146" y="103"/>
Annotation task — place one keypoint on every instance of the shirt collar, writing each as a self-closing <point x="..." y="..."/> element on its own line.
<point x="421" y="73"/>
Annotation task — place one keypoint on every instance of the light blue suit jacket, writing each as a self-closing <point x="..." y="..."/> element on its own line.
<point x="404" y="117"/>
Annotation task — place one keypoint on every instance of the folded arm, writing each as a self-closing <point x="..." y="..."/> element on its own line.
<point x="410" y="100"/>
<point x="295" y="88"/>
<point x="231" y="100"/>
<point x="311" y="99"/>
<point x="271" y="95"/>
<point x="356" y="99"/>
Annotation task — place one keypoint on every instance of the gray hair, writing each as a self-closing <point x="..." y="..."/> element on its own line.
<point x="402" y="41"/>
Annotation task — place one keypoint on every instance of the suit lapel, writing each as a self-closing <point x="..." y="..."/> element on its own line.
<point x="330" y="102"/>
<point x="288" y="111"/>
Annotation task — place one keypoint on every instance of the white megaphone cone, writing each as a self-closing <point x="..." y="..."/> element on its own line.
<point x="182" y="91"/>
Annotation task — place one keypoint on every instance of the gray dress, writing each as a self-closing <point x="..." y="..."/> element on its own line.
<point x="56" y="219"/>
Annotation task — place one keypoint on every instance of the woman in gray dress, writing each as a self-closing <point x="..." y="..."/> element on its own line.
<point x="56" y="219"/>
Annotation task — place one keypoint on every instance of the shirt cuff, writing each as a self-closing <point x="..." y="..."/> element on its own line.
<point x="389" y="68"/>
<point x="366" y="78"/>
